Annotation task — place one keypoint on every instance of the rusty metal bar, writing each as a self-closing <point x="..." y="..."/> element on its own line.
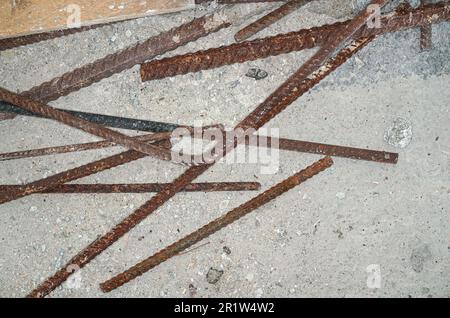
<point x="6" y="44"/>
<point x="257" y="118"/>
<point x="10" y="43"/>
<point x="426" y="32"/>
<point x="104" y="120"/>
<point x="70" y="120"/>
<point x="216" y="225"/>
<point x="92" y="167"/>
<point x="55" y="150"/>
<point x="127" y="58"/>
<point x="283" y="144"/>
<point x="6" y="116"/>
<point x="76" y="147"/>
<point x="143" y="187"/>
<point x="285" y="43"/>
<point x="76" y="173"/>
<point x="289" y="91"/>
<point x="332" y="150"/>
<point x="269" y="19"/>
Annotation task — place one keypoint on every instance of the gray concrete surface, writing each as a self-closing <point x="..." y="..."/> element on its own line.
<point x="322" y="239"/>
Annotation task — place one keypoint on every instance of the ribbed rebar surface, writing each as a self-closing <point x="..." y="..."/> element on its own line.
<point x="285" y="43"/>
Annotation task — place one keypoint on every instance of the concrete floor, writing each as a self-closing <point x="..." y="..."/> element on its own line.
<point x="338" y="235"/>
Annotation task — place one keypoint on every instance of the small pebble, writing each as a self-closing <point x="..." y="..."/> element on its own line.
<point x="214" y="275"/>
<point x="256" y="73"/>
<point x="227" y="250"/>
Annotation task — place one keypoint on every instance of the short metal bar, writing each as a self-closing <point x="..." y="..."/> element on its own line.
<point x="75" y="147"/>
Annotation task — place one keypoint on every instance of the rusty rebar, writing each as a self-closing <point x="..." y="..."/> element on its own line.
<point x="76" y="173"/>
<point x="101" y="119"/>
<point x="93" y="167"/>
<point x="332" y="150"/>
<point x="289" y="91"/>
<point x="216" y="225"/>
<point x="99" y="245"/>
<point x="269" y="19"/>
<point x="426" y="32"/>
<point x="9" y="43"/>
<point x="73" y="121"/>
<point x="285" y="43"/>
<point x="257" y="118"/>
<point x="283" y="144"/>
<point x="75" y="147"/>
<point x="125" y="59"/>
<point x="143" y="187"/>
<point x="236" y="1"/>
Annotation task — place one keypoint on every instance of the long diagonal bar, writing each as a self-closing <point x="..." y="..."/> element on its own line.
<point x="127" y="58"/>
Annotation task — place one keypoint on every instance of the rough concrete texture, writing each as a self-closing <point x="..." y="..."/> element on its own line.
<point x="331" y="236"/>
